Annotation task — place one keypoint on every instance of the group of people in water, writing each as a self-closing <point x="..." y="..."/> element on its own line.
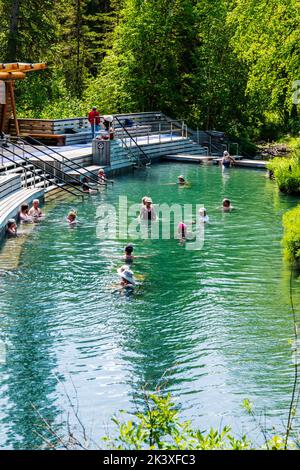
<point x="147" y="215"/>
<point x="26" y="215"/>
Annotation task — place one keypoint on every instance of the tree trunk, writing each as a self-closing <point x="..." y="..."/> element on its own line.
<point x="12" y="41"/>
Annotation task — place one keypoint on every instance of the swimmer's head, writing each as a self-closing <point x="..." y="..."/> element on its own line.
<point x="148" y="201"/>
<point x="101" y="171"/>
<point x="226" y="203"/>
<point x="202" y="212"/>
<point x="181" y="179"/>
<point x="11" y="223"/>
<point x="72" y="215"/>
<point x="225" y="153"/>
<point x="144" y="200"/>
<point x="128" y="249"/>
<point x="35" y="203"/>
<point x="24" y="208"/>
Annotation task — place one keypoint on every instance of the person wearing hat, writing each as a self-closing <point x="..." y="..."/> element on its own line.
<point x="126" y="275"/>
<point x="203" y="217"/>
<point x="181" y="180"/>
<point x="94" y="120"/>
<point x="147" y="211"/>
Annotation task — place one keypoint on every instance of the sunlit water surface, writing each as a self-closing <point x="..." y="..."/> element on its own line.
<point x="215" y="322"/>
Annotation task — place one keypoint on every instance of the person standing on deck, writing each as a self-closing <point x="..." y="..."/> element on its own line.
<point x="94" y="120"/>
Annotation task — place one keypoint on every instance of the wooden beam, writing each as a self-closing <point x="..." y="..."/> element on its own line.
<point x="4" y="110"/>
<point x="13" y="105"/>
<point x="12" y="75"/>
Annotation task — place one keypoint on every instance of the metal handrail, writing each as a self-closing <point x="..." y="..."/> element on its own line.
<point x="134" y="141"/>
<point x="27" y="161"/>
<point x="62" y="156"/>
<point x="49" y="165"/>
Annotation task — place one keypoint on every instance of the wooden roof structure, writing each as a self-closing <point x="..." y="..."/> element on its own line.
<point x="9" y="73"/>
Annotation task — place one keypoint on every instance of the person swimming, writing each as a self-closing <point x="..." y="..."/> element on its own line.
<point x="226" y="205"/>
<point x="72" y="217"/>
<point x="203" y="217"/>
<point x="11" y="228"/>
<point x="181" y="180"/>
<point x="127" y="278"/>
<point x="227" y="160"/>
<point x="182" y="231"/>
<point x="128" y="254"/>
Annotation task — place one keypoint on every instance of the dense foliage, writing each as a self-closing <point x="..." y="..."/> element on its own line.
<point x="286" y="172"/>
<point x="291" y="239"/>
<point x="159" y="427"/>
<point x="223" y="64"/>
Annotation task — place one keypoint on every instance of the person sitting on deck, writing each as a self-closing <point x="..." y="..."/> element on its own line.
<point x="147" y="212"/>
<point x="25" y="218"/>
<point x="11" y="228"/>
<point x="227" y="160"/>
<point x="35" y="212"/>
<point x="94" y="120"/>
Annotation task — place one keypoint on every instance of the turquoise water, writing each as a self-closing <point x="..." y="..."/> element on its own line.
<point x="216" y="321"/>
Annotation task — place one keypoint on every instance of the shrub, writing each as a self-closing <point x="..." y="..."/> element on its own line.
<point x="291" y="239"/>
<point x="287" y="173"/>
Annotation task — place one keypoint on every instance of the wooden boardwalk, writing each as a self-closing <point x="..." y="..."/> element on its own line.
<point x="239" y="160"/>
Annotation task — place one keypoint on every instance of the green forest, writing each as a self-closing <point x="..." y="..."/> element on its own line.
<point x="229" y="65"/>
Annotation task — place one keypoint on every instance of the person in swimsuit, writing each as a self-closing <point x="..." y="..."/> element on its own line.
<point x="227" y="160"/>
<point x="11" y="228"/>
<point x="35" y="212"/>
<point x="72" y="218"/>
<point x="182" y="231"/>
<point x="102" y="179"/>
<point x="203" y="217"/>
<point x="147" y="211"/>
<point x="126" y="275"/>
<point x="226" y="205"/>
<point x="24" y="215"/>
<point x="181" y="180"/>
<point x="128" y="254"/>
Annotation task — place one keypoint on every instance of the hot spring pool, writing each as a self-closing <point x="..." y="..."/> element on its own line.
<point x="216" y="321"/>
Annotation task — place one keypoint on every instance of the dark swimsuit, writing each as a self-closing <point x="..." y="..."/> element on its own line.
<point x="226" y="163"/>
